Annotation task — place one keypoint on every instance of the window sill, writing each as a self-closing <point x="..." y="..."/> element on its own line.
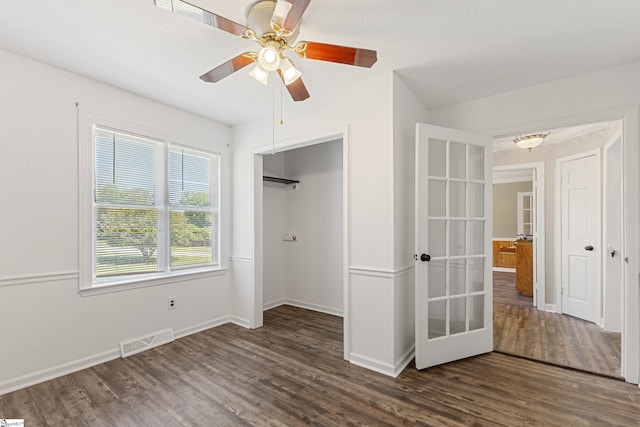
<point x="154" y="280"/>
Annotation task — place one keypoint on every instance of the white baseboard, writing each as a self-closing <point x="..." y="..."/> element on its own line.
<point x="504" y="270"/>
<point x="405" y="359"/>
<point x="551" y="308"/>
<point x="202" y="327"/>
<point x="273" y="304"/>
<point x="47" y="374"/>
<point x="305" y="305"/>
<point x="43" y="375"/>
<point x="245" y="323"/>
<point x="373" y="365"/>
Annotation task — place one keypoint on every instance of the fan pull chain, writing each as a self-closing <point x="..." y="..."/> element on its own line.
<point x="273" y="123"/>
<point x="281" y="119"/>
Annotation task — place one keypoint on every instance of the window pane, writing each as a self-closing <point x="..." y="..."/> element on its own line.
<point x="457" y="199"/>
<point x="437" y="276"/>
<point x="191" y="238"/>
<point x="436" y="242"/>
<point x="457" y="276"/>
<point x="437" y="318"/>
<point x="476" y="237"/>
<point x="437" y="198"/>
<point x="457" y="243"/>
<point x="189" y="178"/>
<point x="476" y="200"/>
<point x="476" y="312"/>
<point x="126" y="241"/>
<point x="125" y="169"/>
<point x="437" y="158"/>
<point x="476" y="274"/>
<point x="458" y="316"/>
<point x="457" y="160"/>
<point x="476" y="162"/>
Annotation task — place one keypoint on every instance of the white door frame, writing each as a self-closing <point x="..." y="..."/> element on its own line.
<point x="257" y="221"/>
<point x="558" y="228"/>
<point x="539" y="297"/>
<point x="605" y="219"/>
<point x="631" y="189"/>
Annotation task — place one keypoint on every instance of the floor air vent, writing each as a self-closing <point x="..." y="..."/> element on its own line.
<point x="138" y="345"/>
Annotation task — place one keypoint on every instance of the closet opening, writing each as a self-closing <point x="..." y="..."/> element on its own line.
<point x="300" y="237"/>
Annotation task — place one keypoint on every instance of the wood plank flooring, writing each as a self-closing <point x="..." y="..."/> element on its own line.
<point x="520" y="329"/>
<point x="291" y="373"/>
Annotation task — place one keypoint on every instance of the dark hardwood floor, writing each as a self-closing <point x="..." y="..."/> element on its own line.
<point x="291" y="373"/>
<point x="520" y="329"/>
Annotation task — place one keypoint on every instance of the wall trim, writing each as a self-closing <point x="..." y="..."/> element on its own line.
<point x="380" y="272"/>
<point x="47" y="374"/>
<point x="234" y="258"/>
<point x="373" y="364"/>
<point x="404" y="360"/>
<point x="307" y="306"/>
<point x="28" y="279"/>
<point x="236" y="320"/>
<point x="274" y="304"/>
<point x="552" y="308"/>
<point x="202" y="327"/>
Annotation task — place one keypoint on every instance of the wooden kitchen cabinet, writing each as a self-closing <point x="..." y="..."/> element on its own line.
<point x="524" y="267"/>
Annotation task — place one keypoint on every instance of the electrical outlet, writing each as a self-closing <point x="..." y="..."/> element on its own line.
<point x="172" y="303"/>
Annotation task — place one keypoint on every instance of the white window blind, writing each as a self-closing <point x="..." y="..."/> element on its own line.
<point x="193" y="207"/>
<point x="155" y="206"/>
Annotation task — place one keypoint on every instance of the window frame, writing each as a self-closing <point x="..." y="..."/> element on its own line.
<point x="89" y="283"/>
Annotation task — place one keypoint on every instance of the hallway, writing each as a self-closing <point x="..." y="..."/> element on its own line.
<point x="522" y="330"/>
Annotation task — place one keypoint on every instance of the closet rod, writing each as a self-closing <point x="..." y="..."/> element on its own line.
<point x="279" y="180"/>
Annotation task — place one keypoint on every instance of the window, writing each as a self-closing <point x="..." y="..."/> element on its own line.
<point x="525" y="213"/>
<point x="154" y="208"/>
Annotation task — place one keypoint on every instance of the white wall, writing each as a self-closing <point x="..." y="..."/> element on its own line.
<point x="505" y="208"/>
<point x="314" y="214"/>
<point x="407" y="111"/>
<point x="275" y="262"/>
<point x="47" y="328"/>
<point x="601" y="95"/>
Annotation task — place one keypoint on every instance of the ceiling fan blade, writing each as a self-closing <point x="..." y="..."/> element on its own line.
<point x="229" y="67"/>
<point x="287" y="14"/>
<point x="334" y="53"/>
<point x="297" y="89"/>
<point x="192" y="11"/>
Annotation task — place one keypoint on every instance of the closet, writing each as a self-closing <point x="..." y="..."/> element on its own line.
<point x="303" y="236"/>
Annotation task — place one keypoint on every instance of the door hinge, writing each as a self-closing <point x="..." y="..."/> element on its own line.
<point x="562" y="291"/>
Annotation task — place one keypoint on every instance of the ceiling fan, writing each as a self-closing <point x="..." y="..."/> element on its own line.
<point x="274" y="25"/>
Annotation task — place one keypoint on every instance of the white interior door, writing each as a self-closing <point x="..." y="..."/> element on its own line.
<point x="454" y="316"/>
<point x="581" y="249"/>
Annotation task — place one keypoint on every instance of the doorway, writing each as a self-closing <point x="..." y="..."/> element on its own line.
<point x="302" y="212"/>
<point x="545" y="334"/>
<point x="259" y="227"/>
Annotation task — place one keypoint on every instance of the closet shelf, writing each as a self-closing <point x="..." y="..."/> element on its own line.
<point x="279" y="180"/>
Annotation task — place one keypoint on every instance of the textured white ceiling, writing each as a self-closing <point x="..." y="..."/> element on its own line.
<point x="447" y="51"/>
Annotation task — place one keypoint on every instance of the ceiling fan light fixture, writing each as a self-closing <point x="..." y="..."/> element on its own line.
<point x="269" y="58"/>
<point x="528" y="142"/>
<point x="260" y="74"/>
<point x="289" y="71"/>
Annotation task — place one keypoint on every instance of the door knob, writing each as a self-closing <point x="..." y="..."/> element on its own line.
<point x="588" y="248"/>
<point x="425" y="257"/>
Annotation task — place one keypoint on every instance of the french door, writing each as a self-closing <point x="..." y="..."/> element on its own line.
<point x="454" y="312"/>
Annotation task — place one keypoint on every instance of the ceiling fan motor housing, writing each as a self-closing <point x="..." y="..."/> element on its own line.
<point x="259" y="16"/>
